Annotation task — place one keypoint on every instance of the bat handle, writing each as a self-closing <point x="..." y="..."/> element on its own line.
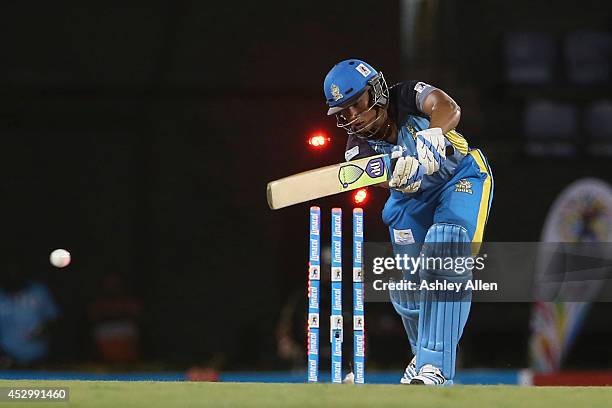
<point x="450" y="150"/>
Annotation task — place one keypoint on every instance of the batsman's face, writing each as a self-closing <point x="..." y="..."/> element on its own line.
<point x="359" y="113"/>
<point x="362" y="117"/>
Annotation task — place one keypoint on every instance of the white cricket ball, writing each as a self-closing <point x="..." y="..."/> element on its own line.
<point x="60" y="258"/>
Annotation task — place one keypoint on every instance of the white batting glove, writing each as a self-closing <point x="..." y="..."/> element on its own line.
<point x="431" y="149"/>
<point x="407" y="175"/>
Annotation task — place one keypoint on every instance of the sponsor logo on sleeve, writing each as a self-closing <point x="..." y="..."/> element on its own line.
<point x="420" y="86"/>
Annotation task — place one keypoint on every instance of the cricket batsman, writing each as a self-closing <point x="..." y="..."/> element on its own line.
<point x="440" y="195"/>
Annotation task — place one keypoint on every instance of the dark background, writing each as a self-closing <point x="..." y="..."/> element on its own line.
<point x="141" y="137"/>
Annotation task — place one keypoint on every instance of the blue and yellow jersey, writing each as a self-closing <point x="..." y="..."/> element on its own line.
<point x="405" y="104"/>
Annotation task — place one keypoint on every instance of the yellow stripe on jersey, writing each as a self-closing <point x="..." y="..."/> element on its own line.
<point x="483" y="211"/>
<point x="457" y="141"/>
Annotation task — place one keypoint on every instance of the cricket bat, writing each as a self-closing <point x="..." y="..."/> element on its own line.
<point x="326" y="181"/>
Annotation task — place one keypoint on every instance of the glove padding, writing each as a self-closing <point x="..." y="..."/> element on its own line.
<point x="407" y="175"/>
<point x="431" y="149"/>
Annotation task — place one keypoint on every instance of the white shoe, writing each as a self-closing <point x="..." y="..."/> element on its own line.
<point x="428" y="375"/>
<point x="410" y="372"/>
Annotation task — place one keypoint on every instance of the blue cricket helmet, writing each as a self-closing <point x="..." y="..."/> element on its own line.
<point x="345" y="82"/>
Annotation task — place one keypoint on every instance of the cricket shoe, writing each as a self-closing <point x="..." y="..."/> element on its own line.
<point x="410" y="372"/>
<point x="429" y="375"/>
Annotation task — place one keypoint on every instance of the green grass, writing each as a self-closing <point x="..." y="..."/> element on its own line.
<point x="192" y="394"/>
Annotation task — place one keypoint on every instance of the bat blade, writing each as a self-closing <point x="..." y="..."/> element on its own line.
<point x="326" y="181"/>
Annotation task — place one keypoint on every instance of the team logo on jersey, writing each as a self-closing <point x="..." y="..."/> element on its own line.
<point x="335" y="91"/>
<point x="464" y="186"/>
<point x="412" y="131"/>
<point x="363" y="70"/>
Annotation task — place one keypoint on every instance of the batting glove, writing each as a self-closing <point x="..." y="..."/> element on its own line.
<point x="407" y="175"/>
<point x="430" y="145"/>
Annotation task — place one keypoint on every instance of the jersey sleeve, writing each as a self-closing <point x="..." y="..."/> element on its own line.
<point x="410" y="96"/>
<point x="357" y="148"/>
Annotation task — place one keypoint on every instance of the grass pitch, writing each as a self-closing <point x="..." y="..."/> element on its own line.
<point x="193" y="394"/>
